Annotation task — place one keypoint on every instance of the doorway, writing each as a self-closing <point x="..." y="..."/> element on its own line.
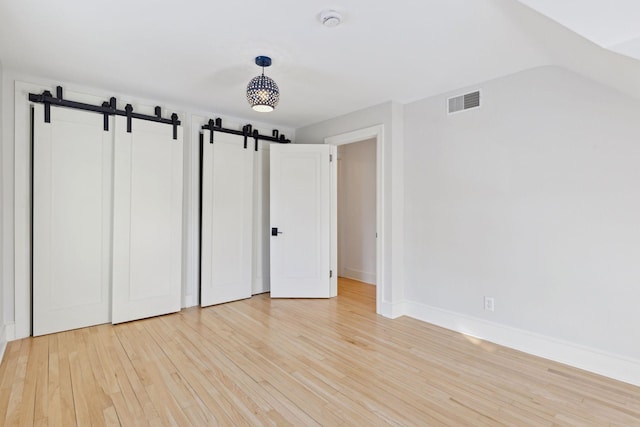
<point x="356" y="144"/>
<point x="357" y="212"/>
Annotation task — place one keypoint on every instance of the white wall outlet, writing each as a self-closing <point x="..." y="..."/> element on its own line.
<point x="489" y="304"/>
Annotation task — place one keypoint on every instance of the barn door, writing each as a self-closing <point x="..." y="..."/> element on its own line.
<point x="72" y="190"/>
<point x="147" y="226"/>
<point x="227" y="219"/>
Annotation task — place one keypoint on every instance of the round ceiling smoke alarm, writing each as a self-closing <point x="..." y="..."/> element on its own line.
<point x="330" y="18"/>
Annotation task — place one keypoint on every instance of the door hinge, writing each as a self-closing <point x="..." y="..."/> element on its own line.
<point x="330" y="157"/>
<point x="330" y="273"/>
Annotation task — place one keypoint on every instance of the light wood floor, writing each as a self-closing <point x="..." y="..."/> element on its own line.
<point x="295" y="362"/>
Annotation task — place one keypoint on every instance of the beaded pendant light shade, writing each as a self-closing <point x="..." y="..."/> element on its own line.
<point x="262" y="92"/>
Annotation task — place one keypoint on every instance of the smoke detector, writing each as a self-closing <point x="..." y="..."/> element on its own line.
<point x="330" y="18"/>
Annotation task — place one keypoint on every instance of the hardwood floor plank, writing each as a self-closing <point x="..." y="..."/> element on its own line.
<point x="137" y="400"/>
<point x="41" y="396"/>
<point x="67" y="403"/>
<point x="13" y="382"/>
<point x="222" y="373"/>
<point x="296" y="362"/>
<point x="257" y="366"/>
<point x="75" y="341"/>
<point x="111" y="417"/>
<point x="28" y="378"/>
<point x="54" y="412"/>
<point x="157" y="385"/>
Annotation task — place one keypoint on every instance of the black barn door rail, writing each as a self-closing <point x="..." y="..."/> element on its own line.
<point x="247" y="131"/>
<point x="107" y="109"/>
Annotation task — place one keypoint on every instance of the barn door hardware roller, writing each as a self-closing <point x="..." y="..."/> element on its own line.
<point x="247" y="131"/>
<point x="106" y="108"/>
<point x="211" y="126"/>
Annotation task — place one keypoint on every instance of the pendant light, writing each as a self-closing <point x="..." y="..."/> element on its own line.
<point x="262" y="92"/>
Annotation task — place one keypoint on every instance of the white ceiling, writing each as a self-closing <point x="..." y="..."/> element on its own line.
<point x="612" y="24"/>
<point x="200" y="53"/>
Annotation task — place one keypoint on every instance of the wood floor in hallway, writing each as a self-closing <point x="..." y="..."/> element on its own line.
<point x="295" y="362"/>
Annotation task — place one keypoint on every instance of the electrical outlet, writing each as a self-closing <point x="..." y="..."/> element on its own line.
<point x="489" y="304"/>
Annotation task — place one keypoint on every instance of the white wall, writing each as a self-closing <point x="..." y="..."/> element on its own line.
<point x="357" y="211"/>
<point x="389" y="115"/>
<point x="3" y="321"/>
<point x="16" y="184"/>
<point x="533" y="199"/>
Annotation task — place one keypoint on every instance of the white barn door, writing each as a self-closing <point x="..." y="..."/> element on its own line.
<point x="227" y="219"/>
<point x="72" y="190"/>
<point x="302" y="237"/>
<point x="147" y="228"/>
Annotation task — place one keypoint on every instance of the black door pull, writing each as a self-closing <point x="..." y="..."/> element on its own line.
<point x="274" y="231"/>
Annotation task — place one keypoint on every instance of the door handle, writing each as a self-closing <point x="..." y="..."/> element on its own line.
<point x="274" y="231"/>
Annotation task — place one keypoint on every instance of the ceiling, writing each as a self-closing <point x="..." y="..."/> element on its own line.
<point x="200" y="54"/>
<point x="612" y="24"/>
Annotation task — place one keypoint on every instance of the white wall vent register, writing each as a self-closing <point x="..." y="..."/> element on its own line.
<point x="463" y="102"/>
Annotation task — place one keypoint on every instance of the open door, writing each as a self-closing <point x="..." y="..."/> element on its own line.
<point x="303" y="232"/>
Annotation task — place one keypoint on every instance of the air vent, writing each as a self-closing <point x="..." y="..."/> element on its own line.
<point x="463" y="102"/>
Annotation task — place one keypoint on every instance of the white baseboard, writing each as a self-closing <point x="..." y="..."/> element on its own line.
<point x="582" y="357"/>
<point x="260" y="287"/>
<point x="359" y="275"/>
<point x="10" y="329"/>
<point x="189" y="301"/>
<point x="7" y="333"/>
<point x="393" y="310"/>
<point x="3" y="341"/>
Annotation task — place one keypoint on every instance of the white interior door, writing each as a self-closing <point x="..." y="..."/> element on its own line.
<point x="302" y="237"/>
<point x="261" y="224"/>
<point x="227" y="219"/>
<point x="72" y="165"/>
<point x="147" y="226"/>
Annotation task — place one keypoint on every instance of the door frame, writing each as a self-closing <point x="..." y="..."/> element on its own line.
<point x="359" y="135"/>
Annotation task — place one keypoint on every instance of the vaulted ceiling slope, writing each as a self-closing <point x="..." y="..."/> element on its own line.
<point x="612" y="24"/>
<point x="200" y="53"/>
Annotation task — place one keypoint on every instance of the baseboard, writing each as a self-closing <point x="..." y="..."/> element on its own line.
<point x="189" y="301"/>
<point x="393" y="310"/>
<point x="582" y="357"/>
<point x="10" y="331"/>
<point x="259" y="288"/>
<point x="359" y="275"/>
<point x="4" y="339"/>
